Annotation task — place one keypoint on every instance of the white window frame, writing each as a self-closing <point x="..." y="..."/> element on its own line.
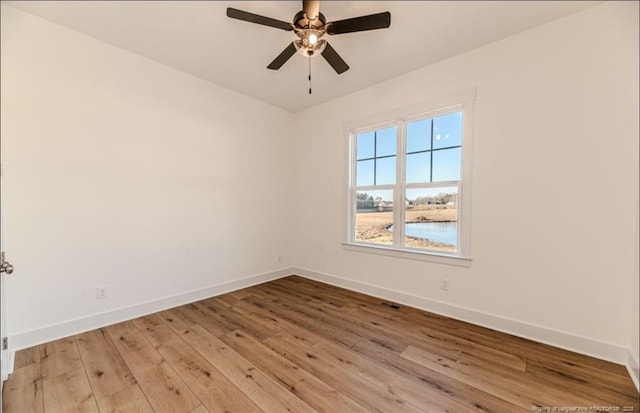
<point x="462" y="101"/>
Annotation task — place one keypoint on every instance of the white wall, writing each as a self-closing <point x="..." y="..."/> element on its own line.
<point x="553" y="234"/>
<point x="125" y="173"/>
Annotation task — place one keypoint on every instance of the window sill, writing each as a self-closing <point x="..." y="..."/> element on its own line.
<point x="409" y="254"/>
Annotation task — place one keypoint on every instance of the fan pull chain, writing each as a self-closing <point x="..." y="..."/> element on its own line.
<point x="309" y="74"/>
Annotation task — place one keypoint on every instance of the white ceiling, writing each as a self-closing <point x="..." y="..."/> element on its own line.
<point x="197" y="37"/>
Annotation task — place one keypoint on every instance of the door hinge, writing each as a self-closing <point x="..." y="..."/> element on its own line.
<point x="5" y="343"/>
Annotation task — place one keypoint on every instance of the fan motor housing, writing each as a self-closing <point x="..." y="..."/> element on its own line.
<point x="300" y="21"/>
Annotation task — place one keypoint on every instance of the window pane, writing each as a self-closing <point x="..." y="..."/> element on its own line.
<point x="447" y="130"/>
<point x="431" y="218"/>
<point x="386" y="141"/>
<point x="418" y="167"/>
<point x="374" y="216"/>
<point x="446" y="165"/>
<point x="365" y="145"/>
<point x="386" y="171"/>
<point x="364" y="173"/>
<point x="419" y="136"/>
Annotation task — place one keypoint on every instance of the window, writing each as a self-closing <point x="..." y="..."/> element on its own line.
<point x="409" y="184"/>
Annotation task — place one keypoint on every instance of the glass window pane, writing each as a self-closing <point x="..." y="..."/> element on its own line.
<point x="386" y="171"/>
<point x="364" y="173"/>
<point x="386" y="141"/>
<point x="418" y="167"/>
<point x="446" y="165"/>
<point x="365" y="145"/>
<point x="419" y="136"/>
<point x="447" y="130"/>
<point x="431" y="218"/>
<point x="374" y="216"/>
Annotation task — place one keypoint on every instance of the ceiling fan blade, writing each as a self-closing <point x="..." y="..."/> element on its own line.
<point x="255" y="18"/>
<point x="359" y="24"/>
<point x="282" y="57"/>
<point x="311" y="8"/>
<point x="334" y="59"/>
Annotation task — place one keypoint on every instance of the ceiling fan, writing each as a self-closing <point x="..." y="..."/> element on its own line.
<point x="311" y="26"/>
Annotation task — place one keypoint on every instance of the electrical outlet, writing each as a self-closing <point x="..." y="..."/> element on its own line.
<point x="444" y="284"/>
<point x="279" y="257"/>
<point x="101" y="293"/>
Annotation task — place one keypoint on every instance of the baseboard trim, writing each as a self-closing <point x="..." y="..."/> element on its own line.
<point x="583" y="345"/>
<point x="7" y="364"/>
<point x="632" y="367"/>
<point x="51" y="332"/>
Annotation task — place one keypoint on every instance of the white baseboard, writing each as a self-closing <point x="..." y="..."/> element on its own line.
<point x="632" y="367"/>
<point x="7" y="364"/>
<point x="583" y="345"/>
<point x="67" y="328"/>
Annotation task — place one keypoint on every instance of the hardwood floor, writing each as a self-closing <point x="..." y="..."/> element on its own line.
<point x="301" y="346"/>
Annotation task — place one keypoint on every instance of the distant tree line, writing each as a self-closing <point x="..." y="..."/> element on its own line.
<point x="366" y="201"/>
<point x="441" y="199"/>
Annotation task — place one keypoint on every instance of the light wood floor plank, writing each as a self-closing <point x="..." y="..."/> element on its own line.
<point x="106" y="370"/>
<point x="192" y="314"/>
<point x="362" y="391"/>
<point x="586" y="388"/>
<point x="303" y="336"/>
<point x="436" y="341"/>
<point x="27" y="357"/>
<point x="395" y="336"/>
<point x="318" y="394"/>
<point x="23" y="393"/>
<point x="256" y="314"/>
<point x="262" y="390"/>
<point x="469" y="396"/>
<point x="307" y="322"/>
<point x="425" y="398"/>
<point x="59" y="357"/>
<point x="26" y="375"/>
<point x="156" y="331"/>
<point x="248" y="324"/>
<point x="213" y="389"/>
<point x="343" y="326"/>
<point x="228" y="300"/>
<point x="602" y="379"/>
<point x="175" y="320"/>
<point x="69" y="392"/>
<point x="127" y="400"/>
<point x="220" y="317"/>
<point x="134" y="348"/>
<point x="165" y="390"/>
<point x="502" y="386"/>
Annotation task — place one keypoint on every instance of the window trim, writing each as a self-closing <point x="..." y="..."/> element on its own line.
<point x="462" y="100"/>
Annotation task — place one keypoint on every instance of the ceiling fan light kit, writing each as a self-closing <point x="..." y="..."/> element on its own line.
<point x="310" y="42"/>
<point x="310" y="26"/>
